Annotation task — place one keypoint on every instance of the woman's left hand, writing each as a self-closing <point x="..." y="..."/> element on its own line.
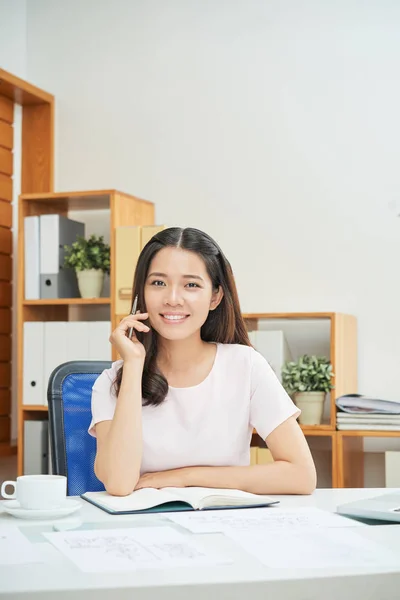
<point x="161" y="479"/>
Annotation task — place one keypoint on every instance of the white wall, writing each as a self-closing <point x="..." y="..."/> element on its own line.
<point x="13" y="41"/>
<point x="274" y="125"/>
<point x="13" y="36"/>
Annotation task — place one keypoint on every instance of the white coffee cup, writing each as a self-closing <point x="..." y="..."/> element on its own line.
<point x="37" y="491"/>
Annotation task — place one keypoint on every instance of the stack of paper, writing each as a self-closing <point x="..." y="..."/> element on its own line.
<point x="368" y="414"/>
<point x="368" y="422"/>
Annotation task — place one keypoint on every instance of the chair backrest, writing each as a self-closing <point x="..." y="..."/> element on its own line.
<point x="73" y="450"/>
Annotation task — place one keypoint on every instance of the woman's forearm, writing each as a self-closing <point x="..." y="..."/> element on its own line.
<point x="118" y="465"/>
<point x="279" y="477"/>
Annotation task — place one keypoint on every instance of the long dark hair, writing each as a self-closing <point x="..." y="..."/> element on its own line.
<point x="225" y="324"/>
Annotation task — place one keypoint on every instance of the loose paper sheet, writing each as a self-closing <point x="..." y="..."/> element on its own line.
<point x="107" y="550"/>
<point x="256" y="519"/>
<point x="301" y="549"/>
<point x="15" y="549"/>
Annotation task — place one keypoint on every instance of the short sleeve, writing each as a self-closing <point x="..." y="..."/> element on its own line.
<point x="270" y="405"/>
<point x="103" y="397"/>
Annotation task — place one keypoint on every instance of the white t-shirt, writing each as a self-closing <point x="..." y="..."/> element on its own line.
<point x="209" y="424"/>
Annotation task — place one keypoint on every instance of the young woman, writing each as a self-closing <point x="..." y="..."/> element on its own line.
<point x="180" y="407"/>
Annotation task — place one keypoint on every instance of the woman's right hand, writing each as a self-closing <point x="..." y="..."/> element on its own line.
<point x="130" y="349"/>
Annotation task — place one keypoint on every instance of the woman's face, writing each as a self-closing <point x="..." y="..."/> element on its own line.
<point x="178" y="293"/>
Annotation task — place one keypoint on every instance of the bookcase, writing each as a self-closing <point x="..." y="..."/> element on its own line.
<point x="120" y="210"/>
<point x="37" y="168"/>
<point x="333" y="335"/>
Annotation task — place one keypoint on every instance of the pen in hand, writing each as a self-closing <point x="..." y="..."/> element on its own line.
<point x="133" y="312"/>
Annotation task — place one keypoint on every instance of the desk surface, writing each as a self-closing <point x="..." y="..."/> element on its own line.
<point x="245" y="577"/>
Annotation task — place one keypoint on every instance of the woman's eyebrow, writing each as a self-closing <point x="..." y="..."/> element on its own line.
<point x="183" y="276"/>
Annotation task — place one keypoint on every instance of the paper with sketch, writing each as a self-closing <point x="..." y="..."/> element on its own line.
<point x="100" y="551"/>
<point x="15" y="549"/>
<point x="314" y="549"/>
<point x="256" y="519"/>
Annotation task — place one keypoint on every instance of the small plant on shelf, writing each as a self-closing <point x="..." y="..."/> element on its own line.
<point x="308" y="380"/>
<point x="91" y="260"/>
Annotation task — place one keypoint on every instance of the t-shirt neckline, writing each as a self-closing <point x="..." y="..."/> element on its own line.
<point x="208" y="376"/>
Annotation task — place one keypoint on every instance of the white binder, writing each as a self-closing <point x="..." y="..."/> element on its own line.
<point x="55" y="349"/>
<point x="99" y="344"/>
<point x="56" y="231"/>
<point x="33" y="389"/>
<point x="32" y="258"/>
<point x="77" y="340"/>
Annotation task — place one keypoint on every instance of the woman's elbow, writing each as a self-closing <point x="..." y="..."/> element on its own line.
<point x="115" y="489"/>
<point x="307" y="480"/>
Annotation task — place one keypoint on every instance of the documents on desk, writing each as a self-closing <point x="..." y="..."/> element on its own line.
<point x="314" y="549"/>
<point x="100" y="551"/>
<point x="15" y="549"/>
<point x="257" y="519"/>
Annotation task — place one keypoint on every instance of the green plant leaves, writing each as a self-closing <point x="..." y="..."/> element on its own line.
<point x="307" y="374"/>
<point x="92" y="253"/>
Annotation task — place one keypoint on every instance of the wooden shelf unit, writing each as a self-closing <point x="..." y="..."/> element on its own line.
<point x="342" y="351"/>
<point x="343" y="356"/>
<point x="37" y="168"/>
<point x="350" y="452"/>
<point x="124" y="210"/>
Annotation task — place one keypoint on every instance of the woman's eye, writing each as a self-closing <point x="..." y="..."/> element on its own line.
<point x="193" y="285"/>
<point x="157" y="282"/>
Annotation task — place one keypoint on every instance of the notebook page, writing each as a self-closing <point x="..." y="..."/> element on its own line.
<point x="138" y="500"/>
<point x="198" y="496"/>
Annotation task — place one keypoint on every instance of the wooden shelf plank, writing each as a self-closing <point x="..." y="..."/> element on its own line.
<point x="34" y="408"/>
<point x="66" y="301"/>
<point x="318" y="430"/>
<point x="21" y="91"/>
<point x="48" y="196"/>
<point x="66" y="202"/>
<point x="310" y="315"/>
<point x="86" y="200"/>
<point x="358" y="433"/>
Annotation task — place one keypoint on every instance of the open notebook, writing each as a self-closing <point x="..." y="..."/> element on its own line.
<point x="176" y="499"/>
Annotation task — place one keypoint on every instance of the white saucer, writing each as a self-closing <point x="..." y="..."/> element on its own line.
<point x="13" y="508"/>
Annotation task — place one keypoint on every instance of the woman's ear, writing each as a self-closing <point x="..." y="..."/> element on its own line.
<point x="216" y="298"/>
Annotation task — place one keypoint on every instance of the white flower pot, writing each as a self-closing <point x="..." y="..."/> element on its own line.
<point x="311" y="405"/>
<point x="90" y="282"/>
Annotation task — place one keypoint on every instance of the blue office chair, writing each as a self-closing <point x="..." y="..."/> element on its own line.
<point x="73" y="450"/>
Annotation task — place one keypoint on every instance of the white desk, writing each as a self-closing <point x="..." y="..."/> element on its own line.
<point x="58" y="578"/>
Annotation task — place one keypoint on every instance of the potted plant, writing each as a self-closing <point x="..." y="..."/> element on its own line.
<point x="308" y="380"/>
<point x="91" y="259"/>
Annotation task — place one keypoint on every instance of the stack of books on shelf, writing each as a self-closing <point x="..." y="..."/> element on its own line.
<point x="45" y="238"/>
<point x="362" y="413"/>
